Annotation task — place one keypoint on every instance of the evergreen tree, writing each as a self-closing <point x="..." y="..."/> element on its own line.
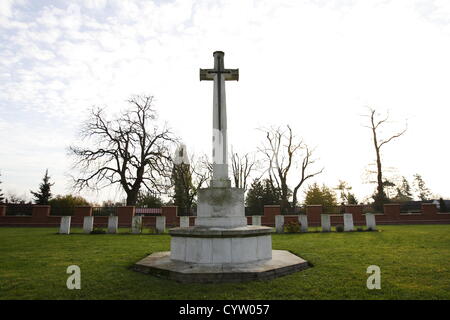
<point x="148" y="200"/>
<point x="68" y="201"/>
<point x="43" y="195"/>
<point x="183" y="196"/>
<point x="422" y="191"/>
<point x="320" y="195"/>
<point x="404" y="191"/>
<point x="442" y="205"/>
<point x="351" y="199"/>
<point x="2" y="197"/>
<point x="345" y="194"/>
<point x="261" y="193"/>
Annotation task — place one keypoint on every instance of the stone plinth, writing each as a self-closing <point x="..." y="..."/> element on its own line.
<point x="221" y="247"/>
<point x="279" y="223"/>
<point x="136" y="224"/>
<point x="303" y="220"/>
<point x="348" y="222"/>
<point x="370" y="221"/>
<point x="88" y="224"/>
<point x="204" y="245"/>
<point x="256" y="220"/>
<point x="113" y="223"/>
<point x="64" y="227"/>
<point x="160" y="264"/>
<point x="184" y="222"/>
<point x="221" y="207"/>
<point x="325" y="222"/>
<point x="160" y="224"/>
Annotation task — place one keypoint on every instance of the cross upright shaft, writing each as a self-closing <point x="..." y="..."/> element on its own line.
<point x="219" y="75"/>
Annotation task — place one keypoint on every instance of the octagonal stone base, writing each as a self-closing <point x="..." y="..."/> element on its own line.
<point x="159" y="264"/>
<point x="209" y="245"/>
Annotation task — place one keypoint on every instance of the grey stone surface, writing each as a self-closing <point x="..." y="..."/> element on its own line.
<point x="370" y="221"/>
<point x="113" y="223"/>
<point x="64" y="227"/>
<point x="221" y="245"/>
<point x="216" y="232"/>
<point x="279" y="223"/>
<point x="281" y="263"/>
<point x="264" y="248"/>
<point x="303" y="220"/>
<point x="160" y="224"/>
<point x="221" y="207"/>
<point x="348" y="222"/>
<point x="88" y="224"/>
<point x="256" y="220"/>
<point x="184" y="222"/>
<point x="136" y="224"/>
<point x="325" y="222"/>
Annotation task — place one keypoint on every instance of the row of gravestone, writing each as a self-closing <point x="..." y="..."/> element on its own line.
<point x="325" y="221"/>
<point x="113" y="224"/>
<point x="136" y="223"/>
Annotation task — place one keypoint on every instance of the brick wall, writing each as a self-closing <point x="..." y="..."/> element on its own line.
<point x="41" y="216"/>
<point x="391" y="215"/>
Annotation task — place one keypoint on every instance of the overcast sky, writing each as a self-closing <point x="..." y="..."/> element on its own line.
<point x="315" y="65"/>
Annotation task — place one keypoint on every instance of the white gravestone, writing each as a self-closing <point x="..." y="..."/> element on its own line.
<point x="279" y="223"/>
<point x="160" y="224"/>
<point x="88" y="224"/>
<point x="256" y="220"/>
<point x="113" y="222"/>
<point x="136" y="224"/>
<point x="184" y="222"/>
<point x="370" y="221"/>
<point x="325" y="222"/>
<point x="303" y="220"/>
<point x="64" y="227"/>
<point x="348" y="222"/>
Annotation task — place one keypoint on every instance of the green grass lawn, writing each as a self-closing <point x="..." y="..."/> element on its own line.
<point x="414" y="262"/>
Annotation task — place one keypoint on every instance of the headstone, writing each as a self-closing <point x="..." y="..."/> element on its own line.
<point x="136" y="224"/>
<point x="303" y="220"/>
<point x="279" y="224"/>
<point x="113" y="222"/>
<point x="370" y="221"/>
<point x="184" y="222"/>
<point x="325" y="222"/>
<point x="348" y="222"/>
<point x="88" y="224"/>
<point x="256" y="220"/>
<point x="64" y="227"/>
<point x="160" y="224"/>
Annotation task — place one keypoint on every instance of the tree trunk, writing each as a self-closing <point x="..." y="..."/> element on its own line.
<point x="380" y="188"/>
<point x="132" y="197"/>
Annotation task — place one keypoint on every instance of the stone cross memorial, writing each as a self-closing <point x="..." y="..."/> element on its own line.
<point x="220" y="246"/>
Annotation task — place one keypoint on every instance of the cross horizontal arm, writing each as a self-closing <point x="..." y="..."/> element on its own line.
<point x="228" y="74"/>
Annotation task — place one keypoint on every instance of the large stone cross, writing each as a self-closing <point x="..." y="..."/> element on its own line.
<point x="219" y="75"/>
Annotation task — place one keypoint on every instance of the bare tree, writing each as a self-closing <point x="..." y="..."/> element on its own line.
<point x="242" y="167"/>
<point x="375" y="125"/>
<point x="131" y="150"/>
<point x="282" y="152"/>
